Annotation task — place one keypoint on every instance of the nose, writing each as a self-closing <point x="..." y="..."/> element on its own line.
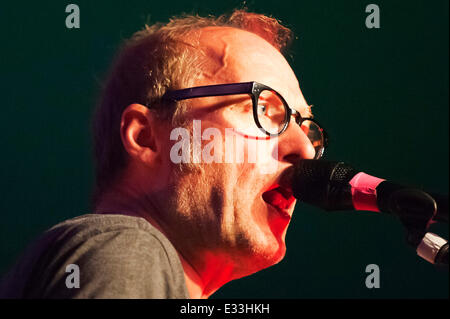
<point x="294" y="145"/>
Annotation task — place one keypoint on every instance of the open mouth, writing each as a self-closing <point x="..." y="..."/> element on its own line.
<point x="280" y="198"/>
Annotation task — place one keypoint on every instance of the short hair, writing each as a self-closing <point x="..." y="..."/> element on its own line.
<point x="152" y="61"/>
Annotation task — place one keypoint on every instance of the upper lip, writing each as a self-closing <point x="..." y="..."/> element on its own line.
<point x="283" y="180"/>
<point x="282" y="184"/>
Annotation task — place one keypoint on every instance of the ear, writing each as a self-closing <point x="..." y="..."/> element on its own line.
<point x="137" y="131"/>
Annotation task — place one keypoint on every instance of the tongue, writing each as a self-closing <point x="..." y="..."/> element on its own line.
<point x="278" y="197"/>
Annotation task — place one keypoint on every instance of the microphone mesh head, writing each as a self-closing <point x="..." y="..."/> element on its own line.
<point x="323" y="183"/>
<point x="341" y="173"/>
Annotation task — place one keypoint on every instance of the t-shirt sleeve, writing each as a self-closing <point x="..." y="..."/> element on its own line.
<point x="129" y="263"/>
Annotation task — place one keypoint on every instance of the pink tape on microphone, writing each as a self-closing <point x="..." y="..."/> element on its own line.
<point x="364" y="191"/>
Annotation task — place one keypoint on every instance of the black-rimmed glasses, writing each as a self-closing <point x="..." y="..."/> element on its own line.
<point x="271" y="112"/>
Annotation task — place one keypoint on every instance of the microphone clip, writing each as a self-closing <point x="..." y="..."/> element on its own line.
<point x="416" y="210"/>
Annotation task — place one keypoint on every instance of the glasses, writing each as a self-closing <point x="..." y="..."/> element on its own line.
<point x="271" y="112"/>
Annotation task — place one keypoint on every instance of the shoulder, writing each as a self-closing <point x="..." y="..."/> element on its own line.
<point x="115" y="256"/>
<point x="104" y="232"/>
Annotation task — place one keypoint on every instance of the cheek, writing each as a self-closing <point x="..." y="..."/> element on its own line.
<point x="248" y="189"/>
<point x="263" y="157"/>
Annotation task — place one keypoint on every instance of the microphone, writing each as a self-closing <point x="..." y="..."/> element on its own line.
<point x="335" y="186"/>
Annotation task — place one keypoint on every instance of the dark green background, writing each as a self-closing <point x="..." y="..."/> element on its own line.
<point x="382" y="95"/>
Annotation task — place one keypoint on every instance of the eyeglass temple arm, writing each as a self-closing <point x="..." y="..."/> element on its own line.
<point x="210" y="90"/>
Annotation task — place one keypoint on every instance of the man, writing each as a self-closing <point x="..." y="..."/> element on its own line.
<point x="168" y="221"/>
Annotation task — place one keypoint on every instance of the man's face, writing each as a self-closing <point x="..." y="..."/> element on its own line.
<point x="236" y="210"/>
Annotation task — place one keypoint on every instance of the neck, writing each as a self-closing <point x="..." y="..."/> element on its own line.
<point x="207" y="276"/>
<point x="204" y="272"/>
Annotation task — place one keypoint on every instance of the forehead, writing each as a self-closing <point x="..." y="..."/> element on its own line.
<point x="233" y="55"/>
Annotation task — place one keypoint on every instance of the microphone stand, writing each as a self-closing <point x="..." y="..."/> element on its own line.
<point x="416" y="210"/>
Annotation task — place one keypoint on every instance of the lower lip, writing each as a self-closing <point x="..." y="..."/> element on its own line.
<point x="282" y="212"/>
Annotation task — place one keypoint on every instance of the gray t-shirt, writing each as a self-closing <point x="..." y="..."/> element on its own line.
<point x="117" y="256"/>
